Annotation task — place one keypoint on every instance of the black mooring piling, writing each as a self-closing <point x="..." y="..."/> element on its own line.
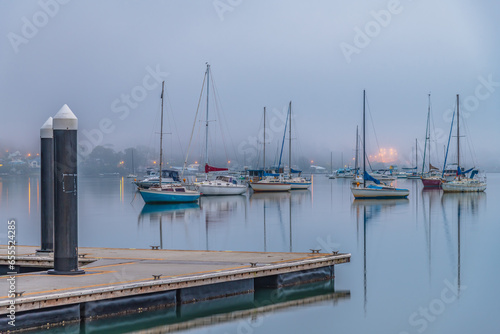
<point x="65" y="127"/>
<point x="47" y="187"/>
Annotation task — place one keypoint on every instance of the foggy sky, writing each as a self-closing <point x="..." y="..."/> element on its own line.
<point x="105" y="59"/>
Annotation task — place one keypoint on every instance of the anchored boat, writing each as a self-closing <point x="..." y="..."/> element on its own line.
<point x="167" y="193"/>
<point x="363" y="191"/>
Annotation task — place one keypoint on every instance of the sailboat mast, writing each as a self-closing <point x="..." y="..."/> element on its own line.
<point x="427" y="130"/>
<point x="290" y="139"/>
<point x="161" y="130"/>
<point x="331" y="163"/>
<point x="357" y="153"/>
<point x="206" y="118"/>
<point x="364" y="140"/>
<point x="416" y="152"/>
<point x="458" y="135"/>
<point x="264" y="139"/>
<point x="429" y="127"/>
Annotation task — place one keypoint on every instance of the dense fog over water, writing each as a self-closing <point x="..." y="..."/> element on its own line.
<point x="106" y="60"/>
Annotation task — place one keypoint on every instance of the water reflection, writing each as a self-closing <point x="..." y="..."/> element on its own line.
<point x="172" y="213"/>
<point x="280" y="203"/>
<point x="216" y="212"/>
<point x="367" y="210"/>
<point x="218" y="209"/>
<point x="465" y="205"/>
<point x="240" y="313"/>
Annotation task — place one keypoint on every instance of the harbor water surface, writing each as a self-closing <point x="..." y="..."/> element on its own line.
<point x="426" y="264"/>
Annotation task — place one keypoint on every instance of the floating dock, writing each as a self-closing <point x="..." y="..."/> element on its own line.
<point x="119" y="281"/>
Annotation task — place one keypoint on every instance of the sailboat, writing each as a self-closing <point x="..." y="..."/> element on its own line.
<point x="462" y="183"/>
<point x="431" y="179"/>
<point x="374" y="190"/>
<point x="223" y="184"/>
<point x="132" y="175"/>
<point x="331" y="175"/>
<point x="167" y="193"/>
<point x="270" y="182"/>
<point x="414" y="174"/>
<point x="296" y="182"/>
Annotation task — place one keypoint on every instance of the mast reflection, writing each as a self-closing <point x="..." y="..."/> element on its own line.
<point x="371" y="208"/>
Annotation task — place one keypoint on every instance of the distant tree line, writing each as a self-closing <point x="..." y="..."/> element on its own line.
<point x="104" y="160"/>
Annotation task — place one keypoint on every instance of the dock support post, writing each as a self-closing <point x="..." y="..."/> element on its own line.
<point x="65" y="125"/>
<point x="47" y="187"/>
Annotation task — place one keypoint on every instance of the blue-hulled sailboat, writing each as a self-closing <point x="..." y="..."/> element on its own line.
<point x="167" y="193"/>
<point x="378" y="191"/>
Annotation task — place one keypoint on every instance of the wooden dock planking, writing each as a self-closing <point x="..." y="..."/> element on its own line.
<point x="115" y="273"/>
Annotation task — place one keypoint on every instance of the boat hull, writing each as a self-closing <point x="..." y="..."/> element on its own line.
<point x="371" y="193"/>
<point x="299" y="185"/>
<point x="221" y="190"/>
<point x="270" y="187"/>
<point x="462" y="187"/>
<point x="154" y="196"/>
<point x="432" y="182"/>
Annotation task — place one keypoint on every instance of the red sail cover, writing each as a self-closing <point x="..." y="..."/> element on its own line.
<point x="213" y="169"/>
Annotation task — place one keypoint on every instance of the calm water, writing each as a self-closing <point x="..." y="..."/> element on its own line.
<point x="423" y="265"/>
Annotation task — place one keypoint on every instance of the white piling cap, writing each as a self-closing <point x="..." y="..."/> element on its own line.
<point x="46" y="129"/>
<point x="65" y="119"/>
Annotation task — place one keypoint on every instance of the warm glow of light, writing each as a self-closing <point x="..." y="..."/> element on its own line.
<point x="29" y="154"/>
<point x="196" y="162"/>
<point x="29" y="196"/>
<point x="229" y="161"/>
<point x="385" y="155"/>
<point x="312" y="161"/>
<point x="154" y="162"/>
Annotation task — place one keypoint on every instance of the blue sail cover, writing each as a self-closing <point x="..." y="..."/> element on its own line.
<point x="459" y="171"/>
<point x="368" y="177"/>
<point x="295" y="171"/>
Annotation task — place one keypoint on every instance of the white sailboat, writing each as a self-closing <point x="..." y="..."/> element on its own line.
<point x="461" y="182"/>
<point x="132" y="175"/>
<point x="270" y="183"/>
<point x="296" y="182"/>
<point x="331" y="175"/>
<point x="223" y="184"/>
<point x="364" y="191"/>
